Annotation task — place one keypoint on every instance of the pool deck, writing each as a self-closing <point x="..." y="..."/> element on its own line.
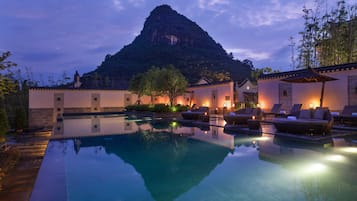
<point x="20" y="176"/>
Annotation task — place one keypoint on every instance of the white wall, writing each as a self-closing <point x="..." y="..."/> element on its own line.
<point x="268" y="93"/>
<point x="335" y="96"/>
<point x="203" y="95"/>
<point x="79" y="98"/>
<point x="41" y="98"/>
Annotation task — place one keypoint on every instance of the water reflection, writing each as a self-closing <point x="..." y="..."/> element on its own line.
<point x="154" y="159"/>
<point x="169" y="164"/>
<point x="324" y="171"/>
<point x="119" y="125"/>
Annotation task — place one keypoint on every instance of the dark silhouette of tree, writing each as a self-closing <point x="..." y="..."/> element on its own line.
<point x="7" y="84"/>
<point x="259" y="71"/>
<point x="329" y="39"/>
<point x="159" y="81"/>
<point x="136" y="85"/>
<point x="171" y="82"/>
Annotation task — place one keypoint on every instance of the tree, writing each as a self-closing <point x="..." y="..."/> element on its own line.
<point x="150" y="83"/>
<point x="248" y="63"/>
<point x="339" y="35"/>
<point x="136" y="85"/>
<point x="7" y="84"/>
<point x="215" y="76"/>
<point x="171" y="82"/>
<point x="329" y="39"/>
<point x="64" y="79"/>
<point x="309" y="36"/>
<point x="159" y="81"/>
<point x="4" y="124"/>
<point x="258" y="71"/>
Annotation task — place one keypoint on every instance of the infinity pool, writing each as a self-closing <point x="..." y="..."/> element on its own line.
<point x="165" y="161"/>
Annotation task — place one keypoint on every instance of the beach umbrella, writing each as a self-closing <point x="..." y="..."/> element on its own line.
<point x="310" y="75"/>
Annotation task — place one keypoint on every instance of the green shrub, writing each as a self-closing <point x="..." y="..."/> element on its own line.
<point x="157" y="108"/>
<point x="4" y="124"/>
<point x="161" y="108"/>
<point x="181" y="108"/>
<point x="142" y="107"/>
<point x="20" y="118"/>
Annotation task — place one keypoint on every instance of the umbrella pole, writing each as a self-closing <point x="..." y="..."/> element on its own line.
<point x="322" y="93"/>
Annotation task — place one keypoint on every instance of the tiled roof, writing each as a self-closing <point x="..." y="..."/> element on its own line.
<point x="324" y="69"/>
<point x="209" y="84"/>
<point x="80" y="89"/>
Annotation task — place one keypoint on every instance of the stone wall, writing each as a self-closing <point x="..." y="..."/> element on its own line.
<point x="77" y="110"/>
<point x="39" y="118"/>
<point x="112" y="109"/>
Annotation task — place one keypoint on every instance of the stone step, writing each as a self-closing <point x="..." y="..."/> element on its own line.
<point x="35" y="147"/>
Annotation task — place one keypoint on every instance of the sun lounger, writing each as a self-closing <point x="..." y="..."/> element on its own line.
<point x="295" y="110"/>
<point x="349" y="115"/>
<point x="318" y="122"/>
<point x="242" y="116"/>
<point x="202" y="113"/>
<point x="274" y="110"/>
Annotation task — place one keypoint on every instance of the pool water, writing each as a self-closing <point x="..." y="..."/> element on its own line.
<point x="205" y="164"/>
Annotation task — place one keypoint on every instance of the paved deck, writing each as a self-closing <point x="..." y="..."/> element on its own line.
<point x="18" y="182"/>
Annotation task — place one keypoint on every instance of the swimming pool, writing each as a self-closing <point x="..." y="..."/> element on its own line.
<point x="166" y="161"/>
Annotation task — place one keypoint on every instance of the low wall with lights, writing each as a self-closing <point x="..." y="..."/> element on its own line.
<point x="337" y="93"/>
<point x="268" y="93"/>
<point x="46" y="104"/>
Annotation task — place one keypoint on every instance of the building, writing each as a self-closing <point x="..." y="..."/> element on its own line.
<point x="47" y="104"/>
<point x="337" y="93"/>
<point x="216" y="96"/>
<point x="245" y="94"/>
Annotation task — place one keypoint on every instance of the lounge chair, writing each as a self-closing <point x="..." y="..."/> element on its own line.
<point x="295" y="110"/>
<point x="242" y="116"/>
<point x="202" y="113"/>
<point x="349" y="115"/>
<point x="318" y="122"/>
<point x="274" y="110"/>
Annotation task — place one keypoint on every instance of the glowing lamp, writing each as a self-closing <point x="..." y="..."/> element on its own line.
<point x="336" y="158"/>
<point x="253" y="117"/>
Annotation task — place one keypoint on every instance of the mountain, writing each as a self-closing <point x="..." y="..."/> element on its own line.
<point x="168" y="38"/>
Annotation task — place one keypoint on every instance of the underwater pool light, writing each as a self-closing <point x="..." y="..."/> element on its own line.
<point x="335" y="158"/>
<point x="349" y="149"/>
<point x="314" y="168"/>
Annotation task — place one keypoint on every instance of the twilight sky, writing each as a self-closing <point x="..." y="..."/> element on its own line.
<point x="54" y="36"/>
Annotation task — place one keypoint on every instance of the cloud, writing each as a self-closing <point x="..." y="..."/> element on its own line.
<point x="206" y="4"/>
<point x="136" y="2"/>
<point x="269" y="13"/>
<point x="249" y="54"/>
<point x="217" y="6"/>
<point x="118" y="5"/>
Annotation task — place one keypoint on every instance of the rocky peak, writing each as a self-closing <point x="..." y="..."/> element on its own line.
<point x="170" y="38"/>
<point x="165" y="26"/>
